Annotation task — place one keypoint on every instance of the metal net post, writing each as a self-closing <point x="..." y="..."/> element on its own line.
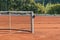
<point x="32" y="23"/>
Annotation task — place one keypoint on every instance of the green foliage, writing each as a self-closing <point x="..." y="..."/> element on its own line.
<point x="26" y="5"/>
<point x="3" y="5"/>
<point x="53" y="9"/>
<point x="21" y="5"/>
<point x="47" y="1"/>
<point x="39" y="8"/>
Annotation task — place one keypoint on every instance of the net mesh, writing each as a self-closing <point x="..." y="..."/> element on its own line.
<point x="16" y="20"/>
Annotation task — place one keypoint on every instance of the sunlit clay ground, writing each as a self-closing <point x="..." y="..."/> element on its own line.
<point x="46" y="28"/>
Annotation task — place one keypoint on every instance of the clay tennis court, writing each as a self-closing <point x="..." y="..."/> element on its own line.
<point x="46" y="28"/>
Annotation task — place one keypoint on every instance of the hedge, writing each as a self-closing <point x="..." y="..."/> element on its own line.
<point x="52" y="9"/>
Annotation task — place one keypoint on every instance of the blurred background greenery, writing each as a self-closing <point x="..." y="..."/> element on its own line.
<point x="37" y="6"/>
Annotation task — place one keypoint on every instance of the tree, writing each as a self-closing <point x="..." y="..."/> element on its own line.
<point x="22" y="5"/>
<point x="47" y="1"/>
<point x="19" y="4"/>
<point x="53" y="9"/>
<point x="3" y="5"/>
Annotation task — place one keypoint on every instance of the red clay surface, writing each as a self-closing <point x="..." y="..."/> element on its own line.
<point x="46" y="28"/>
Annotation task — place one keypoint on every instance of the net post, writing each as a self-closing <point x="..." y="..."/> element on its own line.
<point x="32" y="23"/>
